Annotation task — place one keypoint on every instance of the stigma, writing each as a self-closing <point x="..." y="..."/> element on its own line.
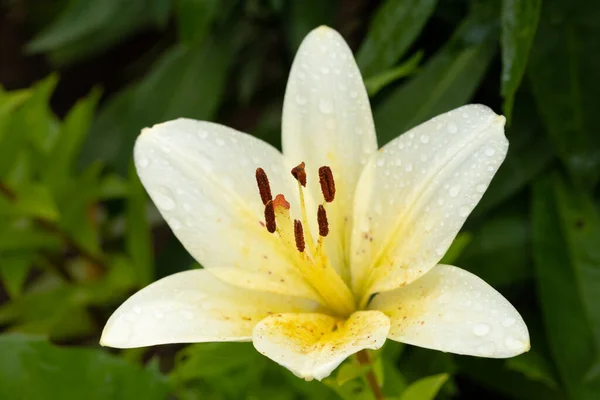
<point x="308" y="256"/>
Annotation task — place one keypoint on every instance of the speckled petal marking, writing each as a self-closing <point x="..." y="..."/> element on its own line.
<point x="452" y="310"/>
<point x="416" y="193"/>
<point x="313" y="345"/>
<point x="193" y="306"/>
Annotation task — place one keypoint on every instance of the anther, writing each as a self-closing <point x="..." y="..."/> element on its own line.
<point x="300" y="174"/>
<point x="263" y="186"/>
<point x="322" y="220"/>
<point x="270" y="217"/>
<point x="327" y="183"/>
<point x="299" y="236"/>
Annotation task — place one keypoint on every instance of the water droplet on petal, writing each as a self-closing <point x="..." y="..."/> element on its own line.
<point x="464" y="211"/>
<point x="490" y="152"/>
<point x="481" y="329"/>
<point x="353" y="94"/>
<point x="486" y="349"/>
<point x="301" y="100"/>
<point x="513" y="344"/>
<point x="424" y="138"/>
<point x="508" y="322"/>
<point x="325" y="106"/>
<point x="143" y="162"/>
<point x="454" y="191"/>
<point x="202" y="134"/>
<point x="220" y="142"/>
<point x="174" y="223"/>
<point x="452" y="128"/>
<point x="481" y="188"/>
<point x="137" y="309"/>
<point x="164" y="201"/>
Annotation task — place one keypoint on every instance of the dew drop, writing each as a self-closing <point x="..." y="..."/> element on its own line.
<point x="137" y="309"/>
<point x="424" y="138"/>
<point x="164" y="201"/>
<point x="513" y="344"/>
<point x="481" y="329"/>
<point x="481" y="188"/>
<point x="174" y="223"/>
<point x="301" y="100"/>
<point x="187" y="314"/>
<point x="452" y="128"/>
<point x="358" y="131"/>
<point x="325" y="106"/>
<point x="464" y="211"/>
<point x="408" y="167"/>
<point x="220" y="142"/>
<point x="353" y="94"/>
<point x="486" y="349"/>
<point x="143" y="162"/>
<point x="202" y="134"/>
<point x="454" y="191"/>
<point x="508" y="322"/>
<point x="187" y="207"/>
<point x="325" y="70"/>
<point x="490" y="152"/>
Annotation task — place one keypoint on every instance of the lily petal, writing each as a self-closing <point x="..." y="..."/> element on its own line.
<point x="327" y="120"/>
<point x="193" y="306"/>
<point x="201" y="176"/>
<point x="416" y="193"/>
<point x="452" y="310"/>
<point x="313" y="345"/>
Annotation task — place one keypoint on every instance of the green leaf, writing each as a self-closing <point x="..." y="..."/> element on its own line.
<point x="457" y="247"/>
<point x="194" y="18"/>
<point x="379" y="81"/>
<point x="563" y="67"/>
<point x="521" y="165"/>
<point x="138" y="235"/>
<point x="188" y="81"/>
<point x="31" y="368"/>
<point x="499" y="252"/>
<point x="447" y="80"/>
<point x="394" y="28"/>
<point x="305" y="16"/>
<point x="349" y="371"/>
<point x="425" y="388"/>
<point x="519" y="24"/>
<point x="534" y="367"/>
<point x="86" y="27"/>
<point x="13" y="270"/>
<point x="566" y="233"/>
<point x="70" y="138"/>
<point x="30" y="200"/>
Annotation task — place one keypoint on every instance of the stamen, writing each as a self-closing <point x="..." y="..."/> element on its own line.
<point x="264" y="188"/>
<point x="280" y="201"/>
<point x="300" y="174"/>
<point x="327" y="183"/>
<point x="322" y="220"/>
<point x="299" y="236"/>
<point x="270" y="217"/>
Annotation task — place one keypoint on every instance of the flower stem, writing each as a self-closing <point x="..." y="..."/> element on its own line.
<point x="364" y="358"/>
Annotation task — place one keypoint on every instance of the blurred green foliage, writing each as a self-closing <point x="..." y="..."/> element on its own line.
<point x="78" y="233"/>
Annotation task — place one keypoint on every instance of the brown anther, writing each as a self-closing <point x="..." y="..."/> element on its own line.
<point x="280" y="201"/>
<point x="270" y="217"/>
<point x="322" y="220"/>
<point x="263" y="186"/>
<point x="300" y="174"/>
<point x="327" y="183"/>
<point x="299" y="236"/>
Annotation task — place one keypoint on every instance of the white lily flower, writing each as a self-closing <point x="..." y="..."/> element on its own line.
<point x="346" y="255"/>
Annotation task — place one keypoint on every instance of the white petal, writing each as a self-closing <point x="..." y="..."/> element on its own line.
<point x="327" y="120"/>
<point x="193" y="306"/>
<point x="417" y="192"/>
<point x="201" y="176"/>
<point x="313" y="345"/>
<point x="452" y="310"/>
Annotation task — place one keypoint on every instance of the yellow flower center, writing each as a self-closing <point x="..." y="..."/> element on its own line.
<point x="308" y="257"/>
